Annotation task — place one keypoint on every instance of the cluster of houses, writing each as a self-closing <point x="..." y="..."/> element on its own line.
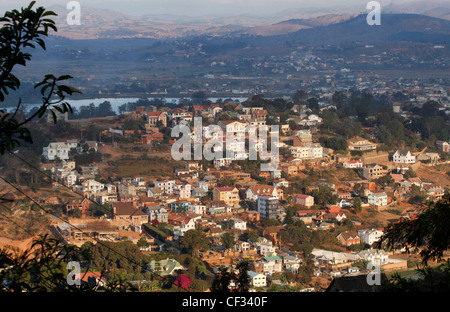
<point x="194" y="195"/>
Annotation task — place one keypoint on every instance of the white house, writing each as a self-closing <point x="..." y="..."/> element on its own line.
<point x="166" y="186"/>
<point x="353" y="164"/>
<point x="369" y="236"/>
<point x="92" y="186"/>
<point x="182" y="190"/>
<point x="71" y="178"/>
<point x="238" y="224"/>
<point x="257" y="279"/>
<point x="272" y="264"/>
<point x="377" y="199"/>
<point x="197" y="209"/>
<point x="374" y="256"/>
<point x="265" y="247"/>
<point x="403" y="157"/>
<point x="315" y="151"/>
<point x="179" y="230"/>
<point x="56" y="150"/>
<point x="158" y="213"/>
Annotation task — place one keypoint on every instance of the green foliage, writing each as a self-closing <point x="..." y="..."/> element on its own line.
<point x="194" y="240"/>
<point x="432" y="280"/>
<point x="227" y="240"/>
<point x="41" y="268"/>
<point x="324" y="196"/>
<point x="417" y="195"/>
<point x="20" y="31"/>
<point x="224" y="277"/>
<point x="430" y="231"/>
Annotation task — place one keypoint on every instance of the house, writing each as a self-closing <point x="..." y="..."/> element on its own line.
<point x="71" y="178"/>
<point x="268" y="206"/>
<point x="434" y="192"/>
<point x="233" y="127"/>
<point x="375" y="256"/>
<point x="155" y="192"/>
<point x="182" y="190"/>
<point x="360" y="144"/>
<point x="348" y="238"/>
<point x="271" y="265"/>
<point x="370" y="236"/>
<point x="80" y="203"/>
<point x="126" y="211"/>
<point x="371" y="171"/>
<point x="56" y="150"/>
<point x="157" y="118"/>
<point x="443" y="146"/>
<point x="265" y="247"/>
<point x="257" y="279"/>
<point x="256" y="190"/>
<point x="164" y="267"/>
<point x="197" y="209"/>
<point x="429" y="158"/>
<point x="184" y="224"/>
<point x="403" y="157"/>
<point x="92" y="186"/>
<point x="291" y="263"/>
<point x="377" y="199"/>
<point x="280" y="183"/>
<point x="338" y="216"/>
<point x="166" y="186"/>
<point x="353" y="164"/>
<point x="126" y="189"/>
<point x="229" y="195"/>
<point x="303" y="200"/>
<point x="251" y="216"/>
<point x="238" y="224"/>
<point x="158" y="213"/>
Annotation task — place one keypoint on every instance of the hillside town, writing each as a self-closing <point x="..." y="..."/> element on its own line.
<point x="314" y="218"/>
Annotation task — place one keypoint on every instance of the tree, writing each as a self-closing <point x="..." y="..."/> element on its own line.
<point x="429" y="232"/>
<point x="224" y="277"/>
<point x="300" y="97"/>
<point x="183" y="281"/>
<point x="194" y="240"/>
<point x="227" y="240"/>
<point x="357" y="204"/>
<point x="20" y="31"/>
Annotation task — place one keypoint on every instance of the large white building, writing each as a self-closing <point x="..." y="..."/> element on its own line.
<point x="377" y="199"/>
<point x="92" y="186"/>
<point x="403" y="157"/>
<point x="56" y="150"/>
<point x="166" y="186"/>
<point x="369" y="236"/>
<point x="257" y="279"/>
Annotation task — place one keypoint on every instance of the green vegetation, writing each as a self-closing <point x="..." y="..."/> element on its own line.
<point x="20" y="31"/>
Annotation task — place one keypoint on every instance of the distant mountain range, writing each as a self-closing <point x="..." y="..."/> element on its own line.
<point x="100" y="23"/>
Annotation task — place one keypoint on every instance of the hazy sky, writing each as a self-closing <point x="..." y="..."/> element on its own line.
<point x="200" y="7"/>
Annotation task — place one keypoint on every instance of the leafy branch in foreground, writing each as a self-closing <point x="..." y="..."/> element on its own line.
<point x="22" y="30"/>
<point x="429" y="232"/>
